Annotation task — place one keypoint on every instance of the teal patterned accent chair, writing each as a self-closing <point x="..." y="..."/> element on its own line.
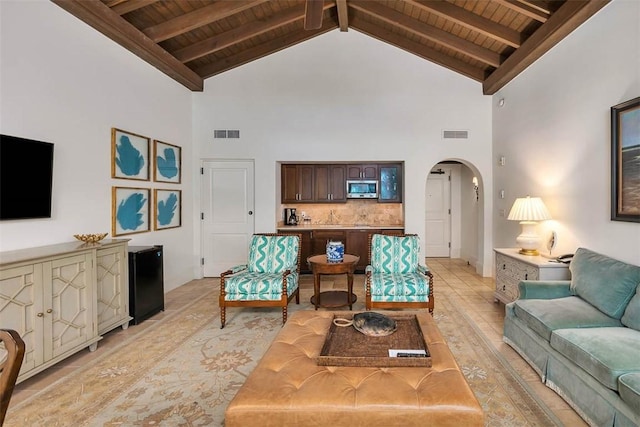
<point x="395" y="278"/>
<point x="269" y="279"/>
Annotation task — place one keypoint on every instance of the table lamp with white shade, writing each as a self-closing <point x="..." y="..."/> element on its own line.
<point x="529" y="210"/>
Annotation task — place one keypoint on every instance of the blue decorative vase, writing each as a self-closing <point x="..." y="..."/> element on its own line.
<point x="335" y="251"/>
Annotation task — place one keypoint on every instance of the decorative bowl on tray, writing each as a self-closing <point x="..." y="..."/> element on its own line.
<point x="90" y="238"/>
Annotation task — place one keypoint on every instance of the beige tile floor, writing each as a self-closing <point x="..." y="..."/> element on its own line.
<point x="451" y="276"/>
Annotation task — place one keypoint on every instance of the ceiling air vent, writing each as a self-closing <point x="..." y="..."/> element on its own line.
<point x="226" y="133"/>
<point x="455" y="134"/>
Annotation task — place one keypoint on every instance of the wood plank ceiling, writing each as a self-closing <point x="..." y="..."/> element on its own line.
<point x="490" y="41"/>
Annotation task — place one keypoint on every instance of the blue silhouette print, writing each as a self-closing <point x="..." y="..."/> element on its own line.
<point x="128" y="214"/>
<point x="166" y="210"/>
<point x="167" y="166"/>
<point x="129" y="160"/>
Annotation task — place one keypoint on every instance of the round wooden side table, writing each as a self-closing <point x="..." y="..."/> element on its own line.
<point x="333" y="299"/>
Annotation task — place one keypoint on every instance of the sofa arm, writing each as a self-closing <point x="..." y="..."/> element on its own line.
<point x="541" y="289"/>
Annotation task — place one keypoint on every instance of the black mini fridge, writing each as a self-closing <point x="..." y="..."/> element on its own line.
<point x="146" y="282"/>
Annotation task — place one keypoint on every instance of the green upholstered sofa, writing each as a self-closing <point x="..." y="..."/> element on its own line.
<point x="583" y="337"/>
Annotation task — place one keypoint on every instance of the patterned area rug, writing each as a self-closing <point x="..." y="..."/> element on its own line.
<point x="184" y="370"/>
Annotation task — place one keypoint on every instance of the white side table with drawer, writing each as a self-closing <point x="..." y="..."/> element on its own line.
<point x="512" y="267"/>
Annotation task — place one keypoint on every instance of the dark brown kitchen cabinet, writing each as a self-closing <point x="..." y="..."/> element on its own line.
<point x="320" y="238"/>
<point x="390" y="189"/>
<point x="358" y="244"/>
<point x="362" y="171"/>
<point x="393" y="232"/>
<point x="330" y="183"/>
<point x="297" y="183"/>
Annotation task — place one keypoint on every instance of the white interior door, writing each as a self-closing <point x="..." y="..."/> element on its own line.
<point x="227" y="214"/>
<point x="438" y="213"/>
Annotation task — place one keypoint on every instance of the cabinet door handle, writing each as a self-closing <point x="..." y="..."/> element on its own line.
<point x="49" y="311"/>
<point x="526" y="276"/>
<point x="504" y="266"/>
<point x="40" y="314"/>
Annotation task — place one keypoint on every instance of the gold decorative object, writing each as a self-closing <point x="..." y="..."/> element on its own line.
<point x="90" y="238"/>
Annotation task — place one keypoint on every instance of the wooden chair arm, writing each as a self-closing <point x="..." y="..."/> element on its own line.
<point x="234" y="270"/>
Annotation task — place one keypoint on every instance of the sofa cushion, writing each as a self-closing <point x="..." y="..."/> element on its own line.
<point x="546" y="315"/>
<point x="395" y="254"/>
<point x="629" y="389"/>
<point x="606" y="283"/>
<point x="605" y="353"/>
<point x="273" y="254"/>
<point x="250" y="286"/>
<point x="394" y="287"/>
<point x="631" y="316"/>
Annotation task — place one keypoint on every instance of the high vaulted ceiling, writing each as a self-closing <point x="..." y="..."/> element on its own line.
<point x="490" y="41"/>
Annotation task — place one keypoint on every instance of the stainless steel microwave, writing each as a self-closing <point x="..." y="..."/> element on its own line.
<point x="362" y="189"/>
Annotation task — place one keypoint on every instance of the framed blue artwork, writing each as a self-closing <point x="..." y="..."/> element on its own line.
<point x="129" y="155"/>
<point x="168" y="209"/>
<point x="130" y="210"/>
<point x="625" y="161"/>
<point x="168" y="160"/>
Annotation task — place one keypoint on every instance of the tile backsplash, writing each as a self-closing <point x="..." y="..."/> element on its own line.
<point x="362" y="212"/>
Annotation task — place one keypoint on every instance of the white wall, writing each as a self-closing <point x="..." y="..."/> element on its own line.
<point x="339" y="97"/>
<point x="63" y="82"/>
<point x="470" y="217"/>
<point x="554" y="131"/>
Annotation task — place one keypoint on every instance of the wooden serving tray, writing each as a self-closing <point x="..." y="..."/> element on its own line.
<point x="345" y="346"/>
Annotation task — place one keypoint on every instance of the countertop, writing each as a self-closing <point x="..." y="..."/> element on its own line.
<point x="339" y="227"/>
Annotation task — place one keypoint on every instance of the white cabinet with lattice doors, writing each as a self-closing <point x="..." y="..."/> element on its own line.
<point x="513" y="267"/>
<point x="49" y="296"/>
<point x="112" y="287"/>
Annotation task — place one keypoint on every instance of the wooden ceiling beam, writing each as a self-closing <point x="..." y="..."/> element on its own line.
<point x="198" y="18"/>
<point x="262" y="50"/>
<point x="112" y="3"/>
<point x="542" y="6"/>
<point x="343" y="15"/>
<point x="566" y="19"/>
<point x="436" y="35"/>
<point x="102" y="18"/>
<point x="237" y="35"/>
<point x="417" y="49"/>
<point x="470" y="20"/>
<point x="527" y="10"/>
<point x="313" y="12"/>
<point x="130" y="5"/>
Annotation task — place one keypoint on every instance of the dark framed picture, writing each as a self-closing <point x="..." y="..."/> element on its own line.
<point x="130" y="211"/>
<point x="129" y="155"/>
<point x="625" y="161"/>
<point x="168" y="209"/>
<point x="168" y="160"/>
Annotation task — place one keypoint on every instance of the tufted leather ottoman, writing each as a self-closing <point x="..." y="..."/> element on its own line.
<point x="288" y="388"/>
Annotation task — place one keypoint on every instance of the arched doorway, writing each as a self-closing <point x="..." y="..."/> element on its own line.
<point x="453" y="212"/>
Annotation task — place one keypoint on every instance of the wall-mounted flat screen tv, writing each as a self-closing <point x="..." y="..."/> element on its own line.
<point x="26" y="178"/>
